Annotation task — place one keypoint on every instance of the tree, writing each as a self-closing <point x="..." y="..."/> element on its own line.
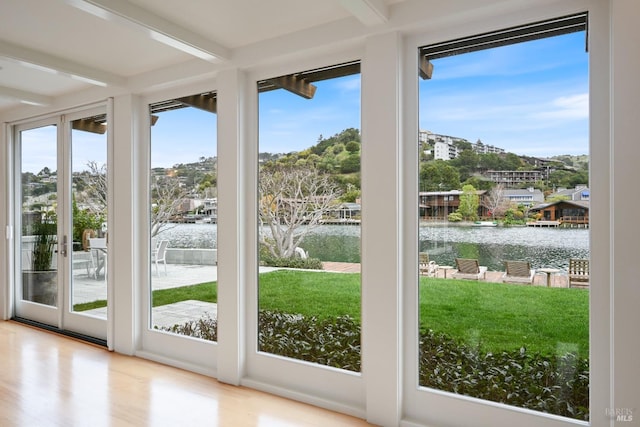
<point x="438" y="176"/>
<point x="469" y="202"/>
<point x="495" y="201"/>
<point x="352" y="146"/>
<point x="95" y="186"/>
<point x="167" y="196"/>
<point x="466" y="162"/>
<point x="350" y="164"/>
<point x="292" y="201"/>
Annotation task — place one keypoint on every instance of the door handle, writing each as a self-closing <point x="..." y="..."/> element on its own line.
<point x="63" y="251"/>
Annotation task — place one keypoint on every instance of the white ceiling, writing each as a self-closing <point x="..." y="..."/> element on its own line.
<point x="50" y="48"/>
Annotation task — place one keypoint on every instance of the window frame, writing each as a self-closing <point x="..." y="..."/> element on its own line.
<point x="443" y="408"/>
<point x="331" y="388"/>
<point x="165" y="347"/>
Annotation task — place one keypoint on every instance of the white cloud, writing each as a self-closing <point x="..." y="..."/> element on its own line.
<point x="566" y="108"/>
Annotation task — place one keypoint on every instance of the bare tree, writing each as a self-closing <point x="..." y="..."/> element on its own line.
<point x="95" y="184"/>
<point x="293" y="200"/>
<point x="495" y="201"/>
<point x="167" y="197"/>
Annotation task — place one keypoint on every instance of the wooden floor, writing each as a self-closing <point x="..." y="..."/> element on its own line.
<point x="51" y="380"/>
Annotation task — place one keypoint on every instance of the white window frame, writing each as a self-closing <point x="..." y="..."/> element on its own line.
<point x="442" y="408"/>
<point x="325" y="386"/>
<point x="182" y="351"/>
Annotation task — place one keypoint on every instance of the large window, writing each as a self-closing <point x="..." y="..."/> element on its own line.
<point x="184" y="211"/>
<point x="309" y="216"/>
<point x="504" y="217"/>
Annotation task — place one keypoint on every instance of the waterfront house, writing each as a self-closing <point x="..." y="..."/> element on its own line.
<point x="579" y="193"/>
<point x="437" y="205"/>
<point x="527" y="197"/>
<point x="568" y="212"/>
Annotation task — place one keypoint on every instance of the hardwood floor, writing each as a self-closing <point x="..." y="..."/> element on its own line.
<point x="51" y="380"/>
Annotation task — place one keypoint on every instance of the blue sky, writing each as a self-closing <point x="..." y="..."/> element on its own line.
<point x="183" y="136"/>
<point x="529" y="98"/>
<point x="291" y="123"/>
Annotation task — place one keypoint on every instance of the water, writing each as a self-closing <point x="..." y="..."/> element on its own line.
<point x="543" y="247"/>
<point x="198" y="236"/>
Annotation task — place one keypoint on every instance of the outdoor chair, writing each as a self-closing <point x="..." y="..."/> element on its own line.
<point x="427" y="268"/>
<point x="518" y="272"/>
<point x="98" y="246"/>
<point x="84" y="260"/>
<point x="578" y="272"/>
<point x="160" y="255"/>
<point x="469" y="269"/>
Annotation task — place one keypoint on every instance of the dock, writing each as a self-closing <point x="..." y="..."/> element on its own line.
<point x="543" y="224"/>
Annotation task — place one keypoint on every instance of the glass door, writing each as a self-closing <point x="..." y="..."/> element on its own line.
<point x="62" y="199"/>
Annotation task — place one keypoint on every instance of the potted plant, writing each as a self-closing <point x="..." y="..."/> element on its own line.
<point x="39" y="282"/>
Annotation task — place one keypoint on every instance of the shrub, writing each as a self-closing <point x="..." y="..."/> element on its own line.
<point x="205" y="328"/>
<point x="556" y="385"/>
<point x="455" y="217"/>
<point x="332" y="342"/>
<point x="292" y="262"/>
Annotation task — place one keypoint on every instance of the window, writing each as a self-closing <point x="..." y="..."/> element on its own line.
<point x="309" y="216"/>
<point x="183" y="212"/>
<point x="499" y="318"/>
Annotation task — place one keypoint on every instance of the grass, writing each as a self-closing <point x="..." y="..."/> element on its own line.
<point x="499" y="316"/>
<point x="320" y="294"/>
<point x="491" y="316"/>
<point x="207" y="292"/>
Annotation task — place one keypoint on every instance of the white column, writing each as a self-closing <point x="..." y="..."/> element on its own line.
<point x="600" y="210"/>
<point x="234" y="184"/>
<point x="381" y="302"/>
<point x="624" y="206"/>
<point x="124" y="221"/>
<point x="6" y="232"/>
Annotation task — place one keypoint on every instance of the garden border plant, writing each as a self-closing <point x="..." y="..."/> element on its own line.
<point x="557" y="385"/>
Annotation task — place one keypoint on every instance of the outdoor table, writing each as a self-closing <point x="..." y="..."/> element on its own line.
<point x="445" y="268"/>
<point x="549" y="272"/>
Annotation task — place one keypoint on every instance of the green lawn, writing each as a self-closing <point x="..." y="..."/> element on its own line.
<point x="493" y="316"/>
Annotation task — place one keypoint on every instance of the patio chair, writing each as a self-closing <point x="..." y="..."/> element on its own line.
<point x="578" y="272"/>
<point x="518" y="272"/>
<point x="160" y="255"/>
<point x="84" y="260"/>
<point x="426" y="267"/>
<point x="469" y="269"/>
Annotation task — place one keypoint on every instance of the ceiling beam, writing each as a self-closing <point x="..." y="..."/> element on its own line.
<point x="425" y="68"/>
<point x="295" y="85"/>
<point x="203" y="102"/>
<point x="89" y="125"/>
<point x="25" y="97"/>
<point x="154" y="26"/>
<point x="56" y="65"/>
<point x="369" y="12"/>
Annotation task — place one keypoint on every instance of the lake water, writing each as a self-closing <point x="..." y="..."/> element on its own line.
<point x="543" y="247"/>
